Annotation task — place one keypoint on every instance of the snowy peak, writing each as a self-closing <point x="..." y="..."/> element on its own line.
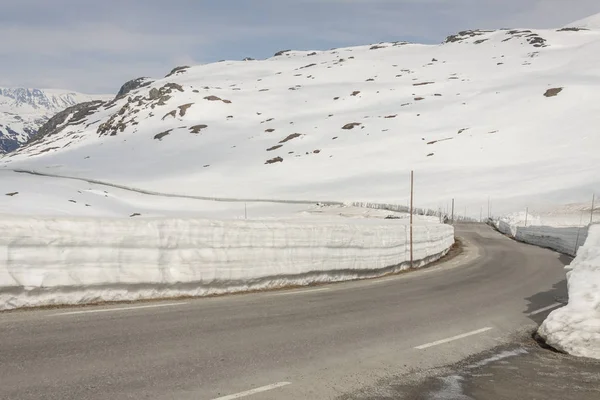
<point x="17" y="100"/>
<point x="24" y="110"/>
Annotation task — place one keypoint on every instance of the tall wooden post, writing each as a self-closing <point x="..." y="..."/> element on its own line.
<point x="526" y="215"/>
<point x="452" y="212"/>
<point x="592" y="212"/>
<point x="411" y="216"/>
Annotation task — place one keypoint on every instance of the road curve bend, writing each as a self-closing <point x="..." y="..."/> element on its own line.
<point x="314" y="343"/>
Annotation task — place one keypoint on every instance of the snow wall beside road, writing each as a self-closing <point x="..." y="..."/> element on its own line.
<point x="46" y="261"/>
<point x="575" y="328"/>
<point x="565" y="240"/>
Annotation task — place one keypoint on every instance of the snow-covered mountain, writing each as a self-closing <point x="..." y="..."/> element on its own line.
<point x="23" y="111"/>
<point x="512" y="115"/>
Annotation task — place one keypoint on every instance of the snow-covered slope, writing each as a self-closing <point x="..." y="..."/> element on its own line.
<point x="510" y="114"/>
<point x="23" y="111"/>
<point x="575" y="328"/>
<point x="591" y="22"/>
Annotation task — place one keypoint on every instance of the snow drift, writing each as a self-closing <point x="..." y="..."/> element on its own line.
<point x="45" y="261"/>
<point x="575" y="328"/>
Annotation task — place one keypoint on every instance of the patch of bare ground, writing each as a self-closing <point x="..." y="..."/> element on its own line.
<point x="290" y="137"/>
<point x="351" y="125"/>
<point x="553" y="92"/>
<point x="161" y="135"/>
<point x="423" y="83"/>
<point x="170" y="113"/>
<point x="275" y="147"/>
<point x="440" y="140"/>
<point x="197" y="128"/>
<point x="183" y="108"/>
<point x="274" y="160"/>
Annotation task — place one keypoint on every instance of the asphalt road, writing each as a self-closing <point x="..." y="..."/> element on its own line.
<point x="315" y="343"/>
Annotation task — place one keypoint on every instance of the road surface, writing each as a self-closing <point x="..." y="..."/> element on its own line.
<point x="313" y="343"/>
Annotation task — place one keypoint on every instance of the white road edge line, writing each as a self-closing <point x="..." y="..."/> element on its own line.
<point x="104" y="310"/>
<point x="453" y="338"/>
<point x="541" y="310"/>
<point x="299" y="291"/>
<point x="254" y="391"/>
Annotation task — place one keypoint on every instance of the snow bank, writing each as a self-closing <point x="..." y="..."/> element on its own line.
<point x="46" y="261"/>
<point x="564" y="239"/>
<point x="575" y="328"/>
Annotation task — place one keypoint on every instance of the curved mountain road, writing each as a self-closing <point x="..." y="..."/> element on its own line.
<point x="313" y="343"/>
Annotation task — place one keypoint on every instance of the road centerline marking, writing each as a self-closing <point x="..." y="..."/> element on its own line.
<point x="453" y="338"/>
<point x="105" y="310"/>
<point x="254" y="391"/>
<point x="541" y="310"/>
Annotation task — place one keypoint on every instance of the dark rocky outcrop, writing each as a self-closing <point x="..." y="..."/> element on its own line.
<point x="553" y="92"/>
<point x="351" y="125"/>
<point x="274" y="160"/>
<point x="290" y="137"/>
<point x="131" y="86"/>
<point x="161" y="135"/>
<point x="197" y="128"/>
<point x="177" y="70"/>
<point x="59" y="122"/>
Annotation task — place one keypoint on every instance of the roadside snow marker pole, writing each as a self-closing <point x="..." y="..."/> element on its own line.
<point x="411" y="216"/>
<point x="452" y="211"/>
<point x="526" y="215"/>
<point x="592" y="212"/>
<point x="578" y="231"/>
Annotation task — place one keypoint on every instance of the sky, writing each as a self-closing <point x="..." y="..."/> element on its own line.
<point x="96" y="46"/>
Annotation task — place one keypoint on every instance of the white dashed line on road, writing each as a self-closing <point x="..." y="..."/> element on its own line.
<point x="290" y="292"/>
<point x="541" y="310"/>
<point x="254" y="391"/>
<point x="453" y="338"/>
<point x="105" y="310"/>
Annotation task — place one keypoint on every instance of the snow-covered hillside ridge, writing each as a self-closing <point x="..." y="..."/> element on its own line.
<point x="46" y="261"/>
<point x="575" y="328"/>
<point x="23" y="111"/>
<point x="509" y="114"/>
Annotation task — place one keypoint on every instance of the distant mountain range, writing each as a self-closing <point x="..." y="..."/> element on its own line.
<point x="23" y="111"/>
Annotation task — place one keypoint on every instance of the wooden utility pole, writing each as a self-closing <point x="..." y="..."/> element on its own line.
<point x="526" y="215"/>
<point x="412" y="180"/>
<point x="592" y="212"/>
<point x="578" y="232"/>
<point x="452" y="212"/>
